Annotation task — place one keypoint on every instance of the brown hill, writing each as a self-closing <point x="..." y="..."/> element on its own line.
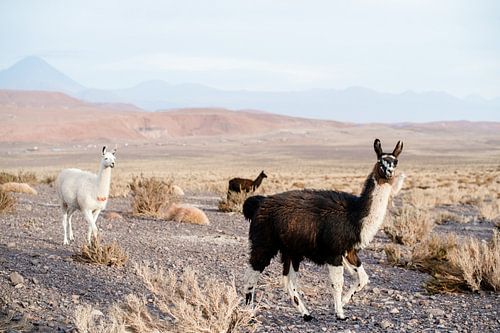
<point x="48" y="117"/>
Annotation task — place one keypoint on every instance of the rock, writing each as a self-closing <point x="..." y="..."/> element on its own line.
<point x="16" y="278"/>
<point x="376" y="290"/>
<point x="11" y="245"/>
<point x="413" y="322"/>
<point x="436" y="312"/>
<point x="385" y="324"/>
<point x="394" y="311"/>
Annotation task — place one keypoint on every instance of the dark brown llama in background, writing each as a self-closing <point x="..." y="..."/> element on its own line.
<point x="246" y="185"/>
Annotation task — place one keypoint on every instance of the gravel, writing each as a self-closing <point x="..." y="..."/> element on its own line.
<point x="40" y="282"/>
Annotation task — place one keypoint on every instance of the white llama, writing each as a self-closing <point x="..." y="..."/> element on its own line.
<point x="85" y="191"/>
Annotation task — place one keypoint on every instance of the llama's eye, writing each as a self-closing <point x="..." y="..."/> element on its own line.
<point x="395" y="162"/>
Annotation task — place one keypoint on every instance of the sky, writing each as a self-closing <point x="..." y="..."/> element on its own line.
<point x="389" y="46"/>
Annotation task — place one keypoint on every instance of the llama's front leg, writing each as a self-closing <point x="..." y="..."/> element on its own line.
<point x="355" y="268"/>
<point x="92" y="227"/>
<point x="336" y="274"/>
<point x="291" y="285"/>
<point x="249" y="284"/>
<point x="360" y="280"/>
<point x="95" y="215"/>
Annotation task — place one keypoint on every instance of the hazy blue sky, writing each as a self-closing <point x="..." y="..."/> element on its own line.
<point x="391" y="46"/>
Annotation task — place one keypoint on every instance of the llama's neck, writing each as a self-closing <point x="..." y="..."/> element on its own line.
<point x="103" y="182"/>
<point x="257" y="181"/>
<point x="375" y="196"/>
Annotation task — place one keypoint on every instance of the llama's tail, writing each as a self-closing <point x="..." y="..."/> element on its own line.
<point x="252" y="205"/>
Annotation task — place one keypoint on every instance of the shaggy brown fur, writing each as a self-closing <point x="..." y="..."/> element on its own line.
<point x="322" y="226"/>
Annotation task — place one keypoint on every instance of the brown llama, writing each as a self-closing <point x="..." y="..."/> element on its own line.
<point x="326" y="227"/>
<point x="246" y="185"/>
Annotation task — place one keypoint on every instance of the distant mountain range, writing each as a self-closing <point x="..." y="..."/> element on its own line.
<point x="355" y="104"/>
<point x="54" y="117"/>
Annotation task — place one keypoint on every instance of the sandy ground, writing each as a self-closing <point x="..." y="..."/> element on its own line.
<point x="54" y="284"/>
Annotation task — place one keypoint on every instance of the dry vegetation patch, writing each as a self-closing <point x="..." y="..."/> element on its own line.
<point x="151" y="196"/>
<point x="185" y="305"/>
<point x="9" y="322"/>
<point x="489" y="210"/>
<point x="233" y="202"/>
<point x="107" y="254"/>
<point x="20" y="177"/>
<point x="479" y="263"/>
<point x="409" y="225"/>
<point x="454" y="264"/>
<point x="7" y="202"/>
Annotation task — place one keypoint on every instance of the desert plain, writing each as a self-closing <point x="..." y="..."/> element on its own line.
<point x="452" y="176"/>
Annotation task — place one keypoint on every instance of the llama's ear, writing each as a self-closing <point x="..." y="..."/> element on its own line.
<point x="104" y="150"/>
<point x="378" y="148"/>
<point x="114" y="151"/>
<point x="398" y="149"/>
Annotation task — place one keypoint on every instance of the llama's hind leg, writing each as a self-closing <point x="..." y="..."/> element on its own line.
<point x="355" y="268"/>
<point x="65" y="224"/>
<point x="291" y="285"/>
<point x="70" y="226"/>
<point x="336" y="273"/>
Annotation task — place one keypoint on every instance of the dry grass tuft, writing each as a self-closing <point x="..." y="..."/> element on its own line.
<point x="18" y="188"/>
<point x="11" y="323"/>
<point x="430" y="254"/>
<point x="454" y="265"/>
<point x="119" y="190"/>
<point x="489" y="211"/>
<point x="479" y="263"/>
<point x="186" y="214"/>
<point x="421" y="198"/>
<point x="185" y="305"/>
<point x="21" y="177"/>
<point x="7" y="202"/>
<point x="196" y="307"/>
<point x="151" y="196"/>
<point x="445" y="217"/>
<point x="233" y="202"/>
<point x="177" y="190"/>
<point x="108" y="254"/>
<point x="408" y="225"/>
<point x="394" y="255"/>
<point x="49" y="180"/>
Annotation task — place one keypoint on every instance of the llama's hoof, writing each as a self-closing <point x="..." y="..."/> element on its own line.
<point x="341" y="317"/>
<point x="248" y="298"/>
<point x="308" y="317"/>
